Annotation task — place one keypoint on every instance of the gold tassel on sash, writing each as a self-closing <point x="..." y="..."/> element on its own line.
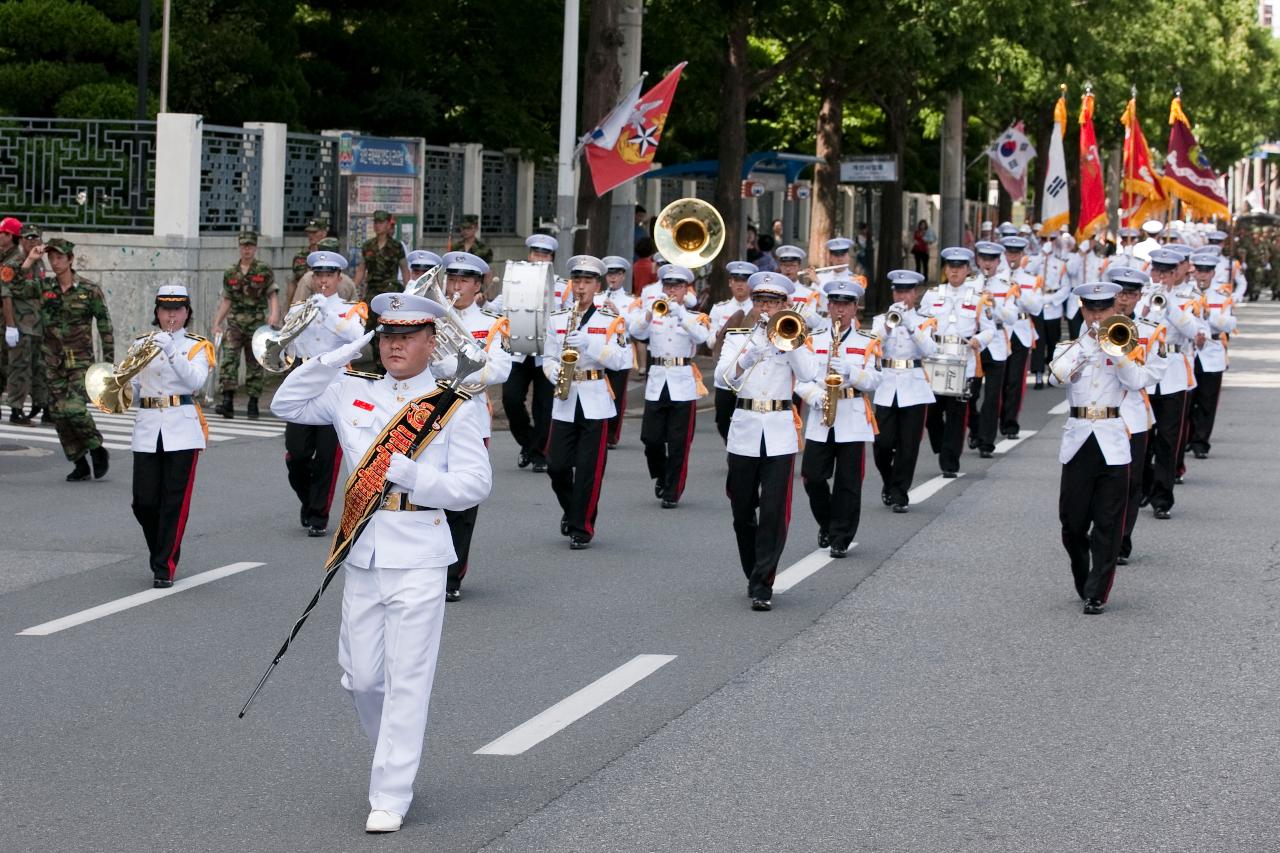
<point x="697" y="380"/>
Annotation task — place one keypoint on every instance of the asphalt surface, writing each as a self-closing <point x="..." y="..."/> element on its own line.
<point x="938" y="690"/>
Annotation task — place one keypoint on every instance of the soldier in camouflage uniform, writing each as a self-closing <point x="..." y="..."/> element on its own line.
<point x="381" y="257"/>
<point x="469" y="242"/>
<point x="71" y="306"/>
<point x="317" y="230"/>
<point x="11" y="257"/>
<point x="22" y="296"/>
<point x="249" y="299"/>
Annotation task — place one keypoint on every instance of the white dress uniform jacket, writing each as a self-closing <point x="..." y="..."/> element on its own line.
<point x="1029" y="301"/>
<point x="1231" y="272"/>
<point x="907" y="342"/>
<point x="1059" y="277"/>
<point x="1001" y="311"/>
<point x="1181" y="327"/>
<point x="497" y="367"/>
<point x="616" y="299"/>
<point x="1094" y="379"/>
<point x="1217" y="315"/>
<point x="1136" y="407"/>
<point x="720" y="314"/>
<point x="676" y="335"/>
<point x="452" y="473"/>
<point x="772" y="378"/>
<point x="861" y="371"/>
<point x="603" y="351"/>
<point x="956" y="310"/>
<point x="1125" y="258"/>
<point x="338" y="323"/>
<point x="183" y="373"/>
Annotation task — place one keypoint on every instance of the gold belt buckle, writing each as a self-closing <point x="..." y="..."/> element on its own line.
<point x="1096" y="413"/>
<point x="670" y="361"/>
<point x="762" y="406"/>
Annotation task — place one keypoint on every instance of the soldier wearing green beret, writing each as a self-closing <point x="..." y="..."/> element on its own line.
<point x="317" y="229"/>
<point x="249" y="299"/>
<point x="70" y="307"/>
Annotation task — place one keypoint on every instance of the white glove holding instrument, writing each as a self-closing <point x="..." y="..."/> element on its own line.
<point x="343" y="355"/>
<point x="164" y="341"/>
<point x="577" y="339"/>
<point x="402" y="471"/>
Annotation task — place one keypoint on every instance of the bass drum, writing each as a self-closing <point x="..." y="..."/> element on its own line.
<point x="528" y="297"/>
<point x="946" y="370"/>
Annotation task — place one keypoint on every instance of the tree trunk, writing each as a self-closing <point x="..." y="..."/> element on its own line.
<point x="889" y="248"/>
<point x="826" y="174"/>
<point x="601" y="83"/>
<point x="732" y="148"/>
<point x="1004" y="206"/>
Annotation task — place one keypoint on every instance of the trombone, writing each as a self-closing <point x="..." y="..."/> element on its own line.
<point x="1117" y="335"/>
<point x="786" y="330"/>
<point x="110" y="387"/>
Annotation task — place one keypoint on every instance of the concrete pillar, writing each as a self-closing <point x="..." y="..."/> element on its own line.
<point x="273" y="156"/>
<point x="178" y="149"/>
<point x="653" y="196"/>
<point x="951" y="230"/>
<point x="472" y="172"/>
<point x="524" y="196"/>
<point x="688" y="188"/>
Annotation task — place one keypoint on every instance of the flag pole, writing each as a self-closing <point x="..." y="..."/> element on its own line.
<point x="566" y="213"/>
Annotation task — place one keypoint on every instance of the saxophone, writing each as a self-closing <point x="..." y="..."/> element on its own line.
<point x="568" y="358"/>
<point x="833" y="381"/>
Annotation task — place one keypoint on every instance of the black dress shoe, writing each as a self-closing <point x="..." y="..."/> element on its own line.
<point x="985" y="454"/>
<point x="1177" y="481"/>
<point x="316" y="530"/>
<point x="564" y="526"/>
<point x="453" y="595"/>
<point x="302" y="517"/>
<point x="1093" y="607"/>
<point x="761" y="604"/>
<point x="973" y="443"/>
<point x="839" y="553"/>
<point x="658" y="489"/>
<point x="1144" y="500"/>
<point x="522" y="461"/>
<point x="666" y="504"/>
<point x="948" y="475"/>
<point x="1200" y="454"/>
<point x="81" y="471"/>
<point x="18" y="418"/>
<point x="1163" y="513"/>
<point x="1039" y="384"/>
<point x="1122" y="561"/>
<point x="824" y="539"/>
<point x="613" y="445"/>
<point x="899" y="507"/>
<point x="161" y="583"/>
<point x="540" y="467"/>
<point x="884" y="497"/>
<point x="101" y="462"/>
<point x="578" y="543"/>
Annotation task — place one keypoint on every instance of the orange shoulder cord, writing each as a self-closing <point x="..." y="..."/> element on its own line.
<point x="502" y="327"/>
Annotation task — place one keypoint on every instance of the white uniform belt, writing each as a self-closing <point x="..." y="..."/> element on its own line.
<point x="1095" y="413"/>
<point x="763" y="405"/>
<point x="165" y="402"/>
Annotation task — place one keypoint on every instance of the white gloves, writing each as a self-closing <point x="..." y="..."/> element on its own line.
<point x="837" y="365"/>
<point x="11" y="336"/>
<point x="402" y="471"/>
<point x="343" y="355"/>
<point x="445" y="368"/>
<point x="318" y="300"/>
<point x="679" y="311"/>
<point x="577" y="339"/>
<point x="755" y="351"/>
<point x="165" y="342"/>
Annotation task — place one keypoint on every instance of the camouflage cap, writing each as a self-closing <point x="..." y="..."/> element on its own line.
<point x="59" y="244"/>
<point x="31" y="231"/>
<point x="316" y="224"/>
<point x="328" y="244"/>
<point x="248" y="238"/>
<point x="470" y="219"/>
<point x="382" y="215"/>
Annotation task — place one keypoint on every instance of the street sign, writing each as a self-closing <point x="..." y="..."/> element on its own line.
<point x="869" y="168"/>
<point x="369" y="155"/>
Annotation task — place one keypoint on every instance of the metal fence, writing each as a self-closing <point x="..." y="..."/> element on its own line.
<point x="544" y="192"/>
<point x="310" y="179"/>
<point x="672" y="189"/>
<point x="498" y="174"/>
<point x="230" y="178"/>
<point x="441" y="188"/>
<point x="79" y="174"/>
<point x="706" y="189"/>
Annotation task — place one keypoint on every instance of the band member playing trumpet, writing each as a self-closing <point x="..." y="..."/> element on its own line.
<point x="617" y="298"/>
<point x="903" y="396"/>
<point x="1211" y="354"/>
<point x="1095" y="445"/>
<point x="311" y="453"/>
<point x="954" y="309"/>
<point x="674" y="386"/>
<point x="762" y="365"/>
<point x="464" y="279"/>
<point x="840" y="422"/>
<point x="393" y="596"/>
<point x="1169" y="304"/>
<point x="582" y="343"/>
<point x="169" y="431"/>
<point x="733" y="313"/>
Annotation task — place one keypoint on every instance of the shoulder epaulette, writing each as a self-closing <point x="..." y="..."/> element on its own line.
<point x="723" y="302"/>
<point x="494" y="314"/>
<point x="560" y="311"/>
<point x="360" y="374"/>
<point x="739" y="331"/>
<point x="606" y="310"/>
<point x="196" y="337"/>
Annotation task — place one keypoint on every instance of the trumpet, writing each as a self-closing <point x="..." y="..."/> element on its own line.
<point x="785" y="330"/>
<point x="832" y="381"/>
<point x="1117" y="335"/>
<point x="269" y="345"/>
<point x="568" y="359"/>
<point x="892" y="320"/>
<point x="661" y="307"/>
<point x="108" y="386"/>
<point x="1158" y="301"/>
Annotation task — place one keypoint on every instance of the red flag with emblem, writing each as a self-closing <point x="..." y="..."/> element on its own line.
<point x="1141" y="196"/>
<point x="637" y="143"/>
<point x="1093" y="194"/>
<point x="1187" y="173"/>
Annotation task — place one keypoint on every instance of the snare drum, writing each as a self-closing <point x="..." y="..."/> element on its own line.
<point x="528" y="294"/>
<point x="946" y="370"/>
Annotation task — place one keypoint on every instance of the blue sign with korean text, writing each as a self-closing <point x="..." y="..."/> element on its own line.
<point x="373" y="156"/>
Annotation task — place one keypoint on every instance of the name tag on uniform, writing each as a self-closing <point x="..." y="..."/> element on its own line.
<point x="480" y="334"/>
<point x="361" y="404"/>
<point x="596" y="331"/>
<point x="821" y="352"/>
<point x="854" y="351"/>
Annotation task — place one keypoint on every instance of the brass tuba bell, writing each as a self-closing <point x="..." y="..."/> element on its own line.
<point x="689" y="233"/>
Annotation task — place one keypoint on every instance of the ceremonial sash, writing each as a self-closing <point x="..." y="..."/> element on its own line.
<point x="409" y="432"/>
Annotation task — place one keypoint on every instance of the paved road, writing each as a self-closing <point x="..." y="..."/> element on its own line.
<point x="937" y="690"/>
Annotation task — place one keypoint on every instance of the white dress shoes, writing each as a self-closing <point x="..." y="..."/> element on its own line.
<point x="382" y="821"/>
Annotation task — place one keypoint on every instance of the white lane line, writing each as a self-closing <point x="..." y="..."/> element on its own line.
<point x="1010" y="443"/>
<point x="20" y="434"/>
<point x="803" y="568"/>
<point x="573" y="708"/>
<point x="129" y="601"/>
<point x="929" y="488"/>
<point x="1060" y="409"/>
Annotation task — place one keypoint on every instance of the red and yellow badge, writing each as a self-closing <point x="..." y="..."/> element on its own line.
<point x="6" y="274"/>
<point x="638" y="143"/>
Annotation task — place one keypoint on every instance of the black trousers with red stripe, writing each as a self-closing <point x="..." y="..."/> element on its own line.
<point x="947" y="421"/>
<point x="725" y="401"/>
<point x="1015" y="383"/>
<point x="1164" y="439"/>
<point x="667" y="432"/>
<point x="1138" y="452"/>
<point x="759" y="490"/>
<point x="162" y="486"/>
<point x="836" y="506"/>
<point x="576" y="459"/>
<point x="617" y="380"/>
<point x="312" y="457"/>
<point x="531" y="435"/>
<point x="1203" y="408"/>
<point x="984" y="407"/>
<point x="462" y="523"/>
<point x="1091" y="506"/>
<point x="897" y="447"/>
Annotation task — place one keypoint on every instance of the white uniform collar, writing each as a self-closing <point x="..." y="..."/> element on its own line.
<point x="415" y="386"/>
